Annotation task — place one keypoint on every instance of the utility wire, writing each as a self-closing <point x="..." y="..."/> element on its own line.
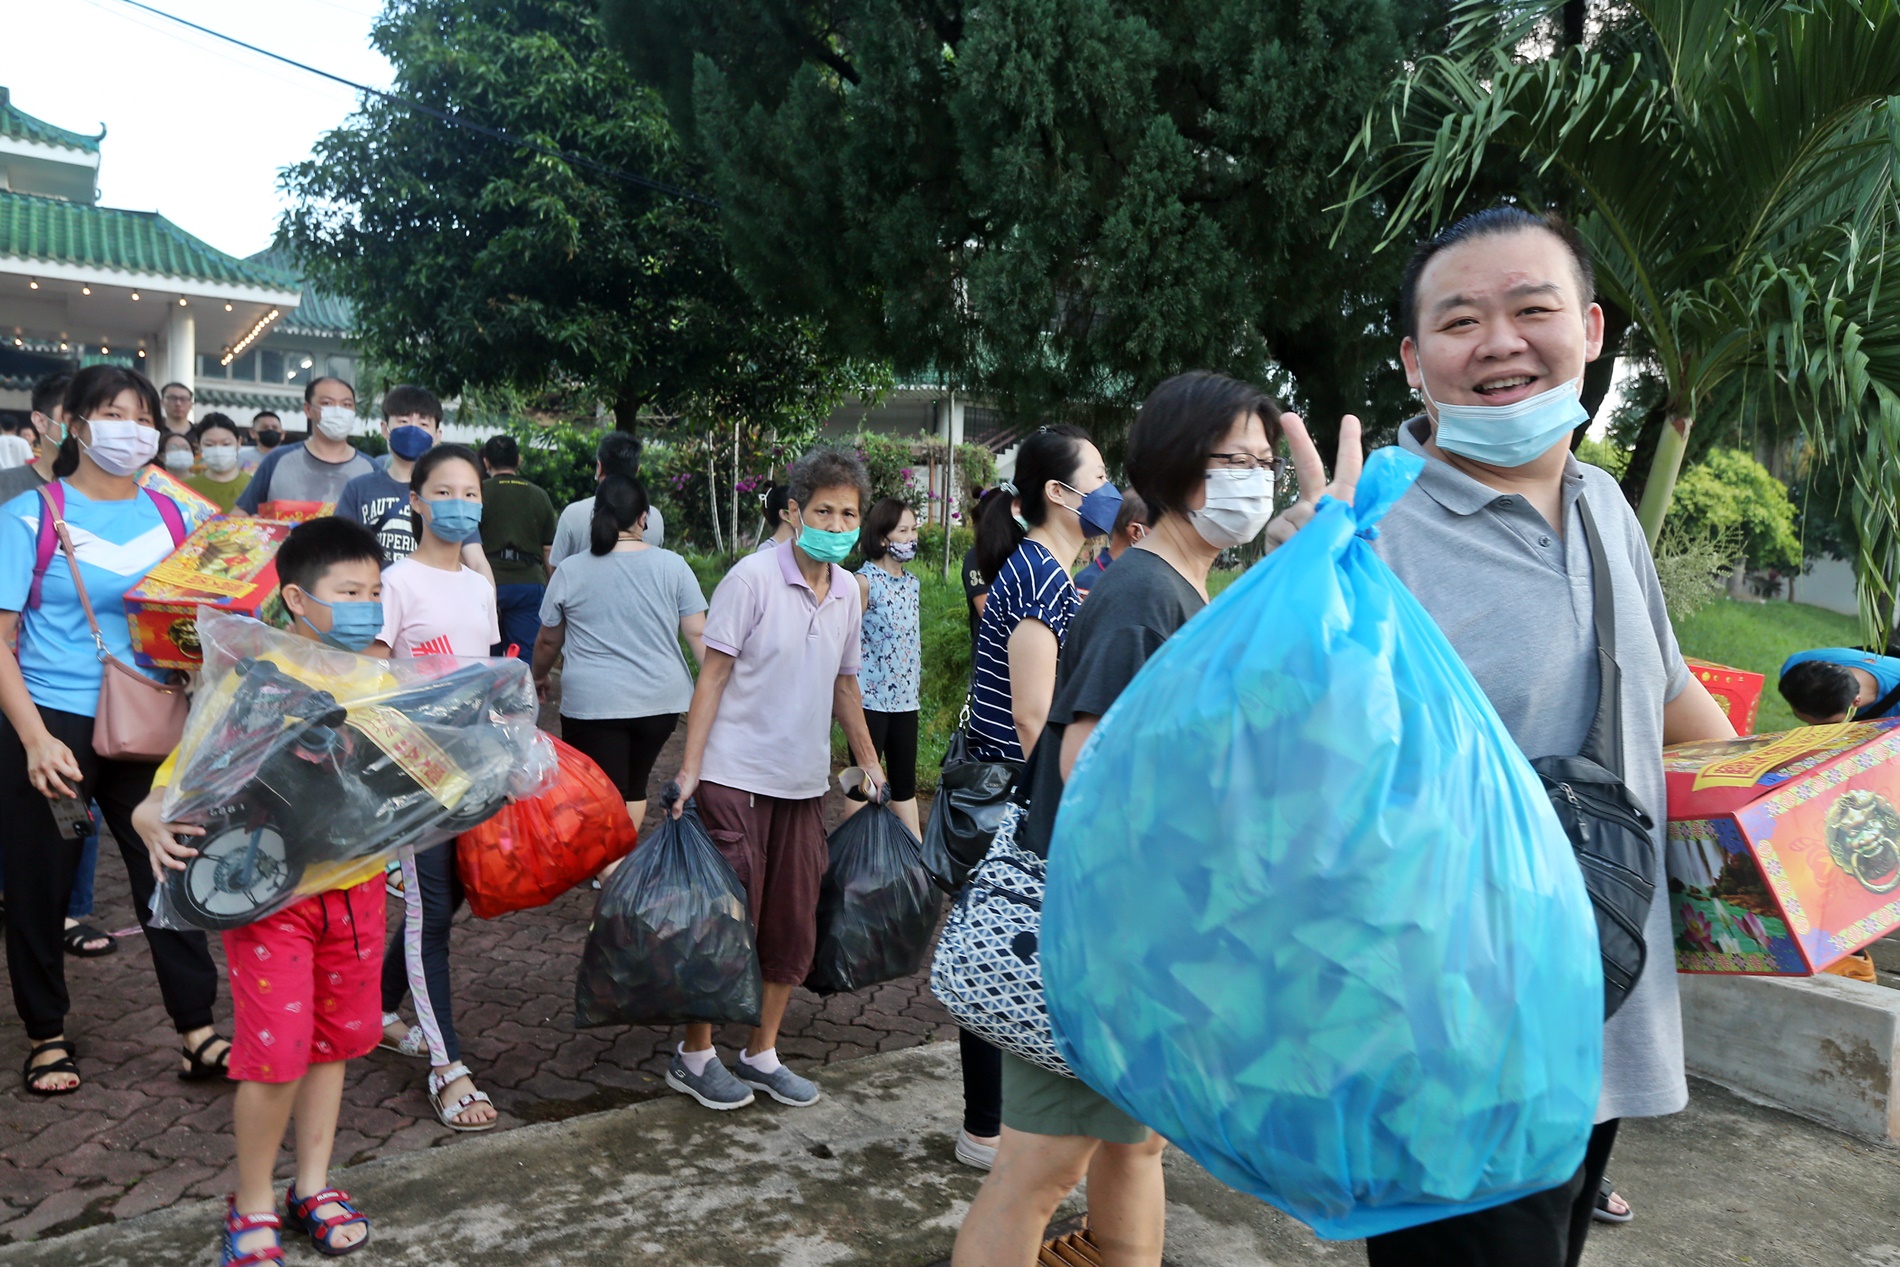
<point x="567" y="156"/>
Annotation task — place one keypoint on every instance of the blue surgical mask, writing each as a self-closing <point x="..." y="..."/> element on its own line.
<point x="453" y="519"/>
<point x="1510" y="435"/>
<point x="353" y="625"/>
<point x="826" y="547"/>
<point x="410" y="442"/>
<point x="1098" y="509"/>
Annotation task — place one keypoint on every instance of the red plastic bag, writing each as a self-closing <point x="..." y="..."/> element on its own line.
<point x="535" y="850"/>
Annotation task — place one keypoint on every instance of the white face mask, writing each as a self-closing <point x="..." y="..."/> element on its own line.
<point x="1239" y="503"/>
<point x="336" y="422"/>
<point x="219" y="457"/>
<point x="120" y="446"/>
<point x="177" y="461"/>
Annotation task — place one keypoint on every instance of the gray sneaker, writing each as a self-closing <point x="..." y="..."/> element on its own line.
<point x="781" y="1084"/>
<point x="716" y="1088"/>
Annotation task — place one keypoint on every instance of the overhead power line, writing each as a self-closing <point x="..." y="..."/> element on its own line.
<point x="454" y="120"/>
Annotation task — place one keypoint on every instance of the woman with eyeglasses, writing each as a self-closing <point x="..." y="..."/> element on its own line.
<point x="1201" y="456"/>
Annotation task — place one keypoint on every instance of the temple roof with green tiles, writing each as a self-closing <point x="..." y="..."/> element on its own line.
<point x="143" y="242"/>
<point x="318" y="312"/>
<point x="21" y="126"/>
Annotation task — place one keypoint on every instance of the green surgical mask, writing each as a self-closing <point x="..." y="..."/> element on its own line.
<point x="826" y="547"/>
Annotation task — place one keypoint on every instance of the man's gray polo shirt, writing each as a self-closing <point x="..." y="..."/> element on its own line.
<point x="1515" y="599"/>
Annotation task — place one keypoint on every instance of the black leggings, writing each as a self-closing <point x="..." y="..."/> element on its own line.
<point x="982" y="1085"/>
<point x="40" y="864"/>
<point x="625" y="748"/>
<point x="894" y="735"/>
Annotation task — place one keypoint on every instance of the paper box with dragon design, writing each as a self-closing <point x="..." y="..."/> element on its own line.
<point x="1784" y="850"/>
<point x="1736" y="691"/>
<point x="230" y="564"/>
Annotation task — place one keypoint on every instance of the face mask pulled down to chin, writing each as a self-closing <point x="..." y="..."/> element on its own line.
<point x="1510" y="435"/>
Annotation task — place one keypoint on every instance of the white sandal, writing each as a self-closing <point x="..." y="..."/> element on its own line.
<point x="414" y="1042"/>
<point x="447" y="1114"/>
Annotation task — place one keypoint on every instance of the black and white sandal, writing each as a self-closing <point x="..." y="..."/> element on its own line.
<point x="33" y="1075"/>
<point x="1608" y="1201"/>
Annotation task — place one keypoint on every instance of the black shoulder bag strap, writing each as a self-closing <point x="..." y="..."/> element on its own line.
<point x="1608" y="830"/>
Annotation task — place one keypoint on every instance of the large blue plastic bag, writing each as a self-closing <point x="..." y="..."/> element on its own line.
<point x="1309" y="913"/>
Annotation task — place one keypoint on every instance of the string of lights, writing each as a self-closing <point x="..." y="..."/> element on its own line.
<point x="454" y="120"/>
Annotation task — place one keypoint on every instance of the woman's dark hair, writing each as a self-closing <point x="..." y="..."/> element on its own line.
<point x="775" y="507"/>
<point x="874" y="535"/>
<point x="425" y="466"/>
<point x="618" y="504"/>
<point x="1053" y="453"/>
<point x="317" y="545"/>
<point x="93" y="388"/>
<point x="1182" y="421"/>
<point x="1490" y="223"/>
<point x="218" y="422"/>
<point x="1816" y="688"/>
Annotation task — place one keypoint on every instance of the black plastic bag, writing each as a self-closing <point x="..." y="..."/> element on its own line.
<point x="672" y="938"/>
<point x="971" y="798"/>
<point x="877" y="910"/>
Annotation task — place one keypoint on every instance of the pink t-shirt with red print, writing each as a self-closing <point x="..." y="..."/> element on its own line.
<point x="427" y="611"/>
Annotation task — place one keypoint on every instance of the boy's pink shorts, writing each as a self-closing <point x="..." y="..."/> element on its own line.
<point x="305" y="984"/>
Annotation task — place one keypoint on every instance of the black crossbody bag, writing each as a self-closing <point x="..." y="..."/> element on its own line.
<point x="1608" y="829"/>
<point x="971" y="798"/>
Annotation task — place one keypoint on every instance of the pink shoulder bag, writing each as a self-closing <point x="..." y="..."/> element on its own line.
<point x="137" y="719"/>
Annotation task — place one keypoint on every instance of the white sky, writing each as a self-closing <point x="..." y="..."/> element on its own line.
<point x="195" y="128"/>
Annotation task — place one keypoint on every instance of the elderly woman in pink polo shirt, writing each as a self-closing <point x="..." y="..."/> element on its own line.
<point x="781" y="662"/>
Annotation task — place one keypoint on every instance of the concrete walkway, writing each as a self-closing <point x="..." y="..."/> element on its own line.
<point x="865" y="1178"/>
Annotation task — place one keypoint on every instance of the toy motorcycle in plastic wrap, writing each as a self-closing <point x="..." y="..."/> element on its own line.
<point x="299" y="793"/>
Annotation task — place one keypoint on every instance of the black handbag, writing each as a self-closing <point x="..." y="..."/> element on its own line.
<point x="1608" y="829"/>
<point x="971" y="798"/>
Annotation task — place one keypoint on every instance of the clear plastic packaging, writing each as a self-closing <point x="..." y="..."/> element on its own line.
<point x="1309" y="913"/>
<point x="308" y="767"/>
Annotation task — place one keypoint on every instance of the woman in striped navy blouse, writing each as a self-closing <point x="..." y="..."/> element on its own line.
<point x="1061" y="497"/>
<point x="1026" y="542"/>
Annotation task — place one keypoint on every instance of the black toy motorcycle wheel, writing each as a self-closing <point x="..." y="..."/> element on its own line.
<point x="229" y="882"/>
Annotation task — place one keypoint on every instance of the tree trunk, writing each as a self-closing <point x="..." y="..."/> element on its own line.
<point x="1574" y="13"/>
<point x="628" y="402"/>
<point x="1661" y="484"/>
<point x="1643" y="455"/>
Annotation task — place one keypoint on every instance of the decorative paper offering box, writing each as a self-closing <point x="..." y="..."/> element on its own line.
<point x="230" y="564"/>
<point x="1737" y="691"/>
<point x="290" y="512"/>
<point x="1784" y="850"/>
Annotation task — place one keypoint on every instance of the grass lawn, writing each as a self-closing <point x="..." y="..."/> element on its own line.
<point x="1758" y="637"/>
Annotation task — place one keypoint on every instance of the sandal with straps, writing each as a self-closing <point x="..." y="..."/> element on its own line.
<point x="33" y="1074"/>
<point x="201" y="1069"/>
<point x="236" y="1225"/>
<point x="75" y="941"/>
<point x="448" y="1114"/>
<point x="322" y="1232"/>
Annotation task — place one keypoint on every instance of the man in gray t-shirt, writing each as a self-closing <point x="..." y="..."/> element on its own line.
<point x="1499" y="322"/>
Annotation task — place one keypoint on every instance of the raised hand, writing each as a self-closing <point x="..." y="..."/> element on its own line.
<point x="1312" y="474"/>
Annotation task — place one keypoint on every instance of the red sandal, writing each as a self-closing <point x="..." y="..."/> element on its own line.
<point x="236" y="1225"/>
<point x="302" y="1212"/>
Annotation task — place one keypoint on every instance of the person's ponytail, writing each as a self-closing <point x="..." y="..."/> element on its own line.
<point x="997" y="532"/>
<point x="67" y="460"/>
<point x="619" y="503"/>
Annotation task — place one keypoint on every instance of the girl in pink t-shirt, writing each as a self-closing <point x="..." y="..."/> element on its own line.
<point x="433" y="605"/>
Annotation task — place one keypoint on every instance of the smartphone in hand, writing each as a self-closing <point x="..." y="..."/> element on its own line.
<point x="74" y="817"/>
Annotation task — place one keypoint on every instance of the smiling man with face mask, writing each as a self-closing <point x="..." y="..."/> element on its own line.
<point x="1499" y="322"/>
<point x="317" y="469"/>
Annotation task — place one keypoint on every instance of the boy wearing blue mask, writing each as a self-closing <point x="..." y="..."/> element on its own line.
<point x="379" y="500"/>
<point x="303" y="981"/>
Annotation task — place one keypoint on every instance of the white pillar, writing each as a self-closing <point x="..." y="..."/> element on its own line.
<point x="181" y="348"/>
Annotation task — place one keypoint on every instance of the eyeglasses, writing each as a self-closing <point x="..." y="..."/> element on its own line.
<point x="1246" y="462"/>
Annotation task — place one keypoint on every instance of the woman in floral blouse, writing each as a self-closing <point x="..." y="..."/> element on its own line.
<point x="893" y="647"/>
